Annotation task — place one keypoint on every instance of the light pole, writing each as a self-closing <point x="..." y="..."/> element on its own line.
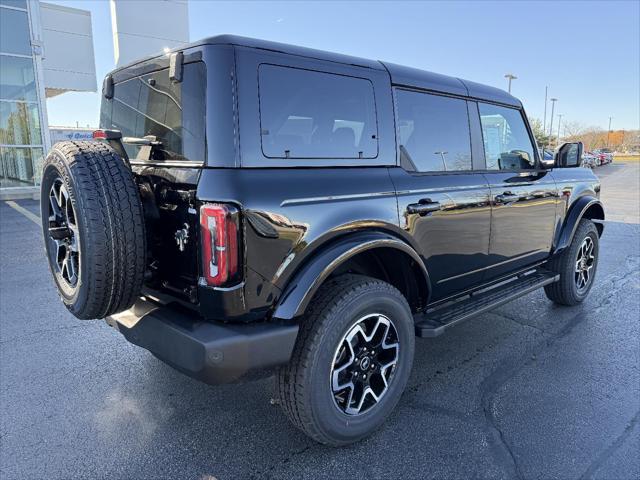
<point x="544" y="121"/>
<point x="553" y="105"/>
<point x="609" y="131"/>
<point x="558" y="137"/>
<point x="510" y="76"/>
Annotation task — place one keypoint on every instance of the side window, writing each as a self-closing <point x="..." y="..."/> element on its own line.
<point x="507" y="145"/>
<point x="433" y="131"/>
<point x="309" y="114"/>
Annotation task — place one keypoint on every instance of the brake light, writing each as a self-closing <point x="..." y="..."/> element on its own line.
<point x="104" y="134"/>
<point x="219" y="239"/>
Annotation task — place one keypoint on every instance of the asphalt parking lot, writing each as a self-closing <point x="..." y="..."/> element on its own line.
<point x="530" y="390"/>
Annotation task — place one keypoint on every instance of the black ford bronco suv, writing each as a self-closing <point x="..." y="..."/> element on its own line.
<point x="250" y="207"/>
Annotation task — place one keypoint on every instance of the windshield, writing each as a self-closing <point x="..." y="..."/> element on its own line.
<point x="172" y="112"/>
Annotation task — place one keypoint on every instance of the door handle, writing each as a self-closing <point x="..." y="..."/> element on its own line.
<point x="425" y="206"/>
<point x="507" y="197"/>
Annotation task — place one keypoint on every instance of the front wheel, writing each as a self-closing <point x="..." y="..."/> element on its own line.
<point x="576" y="265"/>
<point x="351" y="361"/>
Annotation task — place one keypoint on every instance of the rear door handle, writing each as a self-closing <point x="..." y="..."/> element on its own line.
<point x="507" y="197"/>
<point x="424" y="207"/>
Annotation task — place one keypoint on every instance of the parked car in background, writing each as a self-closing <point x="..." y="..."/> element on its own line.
<point x="604" y="156"/>
<point x="590" y="160"/>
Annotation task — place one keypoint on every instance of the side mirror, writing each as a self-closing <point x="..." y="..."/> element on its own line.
<point x="547" y="159"/>
<point x="569" y="155"/>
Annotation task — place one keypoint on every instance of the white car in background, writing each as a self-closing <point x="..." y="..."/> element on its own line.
<point x="590" y="160"/>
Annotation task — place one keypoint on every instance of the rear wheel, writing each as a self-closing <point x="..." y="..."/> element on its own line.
<point x="351" y="362"/>
<point x="93" y="228"/>
<point x="577" y="266"/>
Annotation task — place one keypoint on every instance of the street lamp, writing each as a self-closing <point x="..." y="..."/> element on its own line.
<point x="544" y="122"/>
<point x="558" y="137"/>
<point x="510" y="76"/>
<point x="553" y="104"/>
<point x="609" y="131"/>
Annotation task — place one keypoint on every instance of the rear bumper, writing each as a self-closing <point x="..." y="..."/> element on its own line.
<point x="214" y="353"/>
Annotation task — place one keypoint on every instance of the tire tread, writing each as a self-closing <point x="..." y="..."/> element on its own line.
<point x="113" y="250"/>
<point x="291" y="387"/>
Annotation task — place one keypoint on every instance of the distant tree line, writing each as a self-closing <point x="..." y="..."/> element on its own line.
<point x="593" y="137"/>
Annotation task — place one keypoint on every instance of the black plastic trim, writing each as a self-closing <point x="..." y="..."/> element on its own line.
<point x="214" y="353"/>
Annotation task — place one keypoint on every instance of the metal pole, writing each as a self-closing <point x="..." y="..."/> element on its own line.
<point x="510" y="76"/>
<point x="609" y="131"/>
<point x="544" y="122"/>
<point x="558" y="137"/>
<point x="553" y="105"/>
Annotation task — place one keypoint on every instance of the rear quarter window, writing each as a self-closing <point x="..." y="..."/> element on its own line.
<point x="312" y="114"/>
<point x="152" y="104"/>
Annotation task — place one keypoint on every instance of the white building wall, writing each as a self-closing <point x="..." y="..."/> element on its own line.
<point x="68" y="59"/>
<point x="142" y="28"/>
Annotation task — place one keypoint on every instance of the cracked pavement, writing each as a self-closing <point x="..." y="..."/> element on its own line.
<point x="528" y="391"/>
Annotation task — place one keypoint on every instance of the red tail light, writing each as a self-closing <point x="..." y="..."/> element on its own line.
<point x="103" y="134"/>
<point x="219" y="235"/>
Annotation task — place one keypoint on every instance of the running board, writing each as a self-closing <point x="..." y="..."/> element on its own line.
<point x="436" y="321"/>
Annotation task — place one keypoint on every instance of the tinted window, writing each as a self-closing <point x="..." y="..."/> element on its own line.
<point x="14" y="32"/>
<point x="308" y="114"/>
<point x="507" y="145"/>
<point x="154" y="105"/>
<point x="433" y="131"/>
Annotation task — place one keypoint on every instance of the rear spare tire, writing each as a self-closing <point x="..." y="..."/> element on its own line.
<point x="93" y="226"/>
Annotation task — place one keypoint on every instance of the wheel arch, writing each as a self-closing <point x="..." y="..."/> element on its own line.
<point x="376" y="254"/>
<point x="585" y="207"/>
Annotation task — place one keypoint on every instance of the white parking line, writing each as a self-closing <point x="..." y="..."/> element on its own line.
<point x="31" y="216"/>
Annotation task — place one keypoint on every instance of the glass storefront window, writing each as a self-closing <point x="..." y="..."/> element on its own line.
<point x="15" y="3"/>
<point x="17" y="79"/>
<point x="14" y="32"/>
<point x="19" y="124"/>
<point x="18" y="164"/>
<point x="21" y="135"/>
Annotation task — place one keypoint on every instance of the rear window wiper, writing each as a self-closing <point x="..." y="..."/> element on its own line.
<point x="147" y="143"/>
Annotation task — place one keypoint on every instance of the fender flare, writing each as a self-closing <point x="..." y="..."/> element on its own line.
<point x="305" y="282"/>
<point x="576" y="213"/>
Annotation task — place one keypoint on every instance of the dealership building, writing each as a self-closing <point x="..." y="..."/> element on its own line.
<point x="47" y="50"/>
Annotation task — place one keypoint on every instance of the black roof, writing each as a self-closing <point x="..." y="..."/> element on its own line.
<point x="400" y="75"/>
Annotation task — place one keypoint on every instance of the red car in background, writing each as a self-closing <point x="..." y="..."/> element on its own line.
<point x="604" y="156"/>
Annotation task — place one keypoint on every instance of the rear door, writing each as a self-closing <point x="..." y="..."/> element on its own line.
<point x="523" y="195"/>
<point x="443" y="203"/>
<point x="147" y="102"/>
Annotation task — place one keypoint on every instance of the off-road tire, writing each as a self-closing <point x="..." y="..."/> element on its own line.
<point x="110" y="224"/>
<point x="303" y="386"/>
<point x="565" y="291"/>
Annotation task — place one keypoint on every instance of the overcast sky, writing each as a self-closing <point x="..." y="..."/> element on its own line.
<point x="588" y="53"/>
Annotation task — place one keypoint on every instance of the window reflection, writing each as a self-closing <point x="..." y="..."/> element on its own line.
<point x="433" y="131"/>
<point x="17" y="79"/>
<point x="19" y="124"/>
<point x="507" y="144"/>
<point x="18" y="166"/>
